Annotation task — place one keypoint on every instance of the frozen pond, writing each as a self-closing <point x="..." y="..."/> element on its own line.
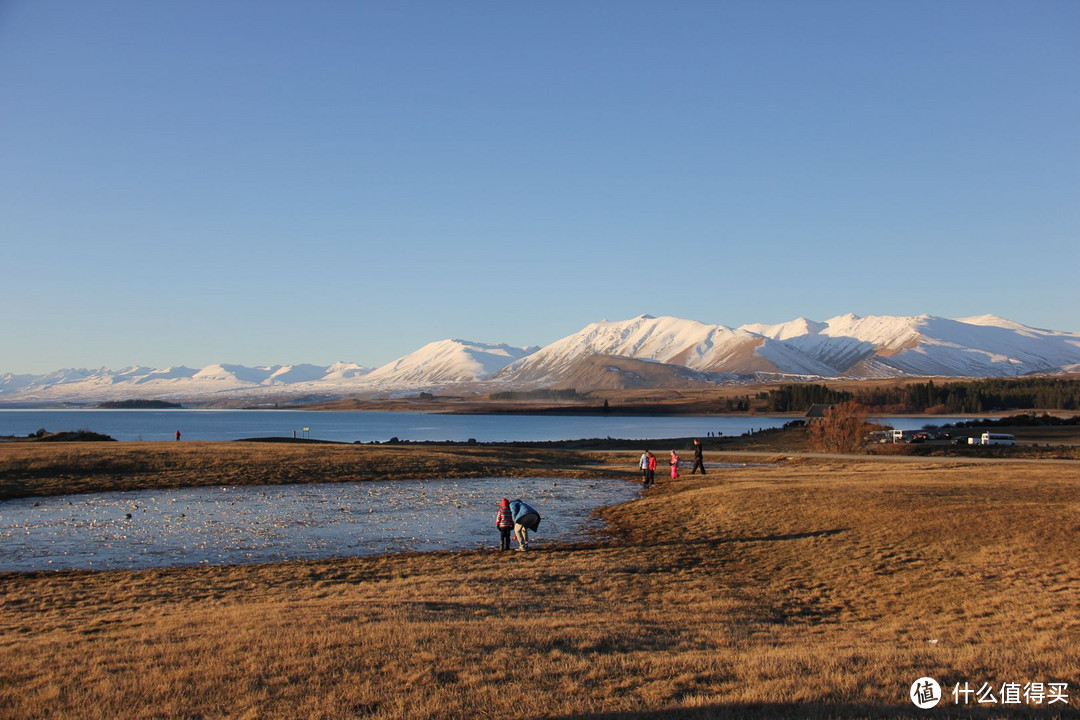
<point x="255" y="524"/>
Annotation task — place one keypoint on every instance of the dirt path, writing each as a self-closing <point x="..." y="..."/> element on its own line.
<point x="958" y="459"/>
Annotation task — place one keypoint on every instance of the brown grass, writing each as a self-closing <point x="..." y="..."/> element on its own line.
<point x="28" y="469"/>
<point x="802" y="588"/>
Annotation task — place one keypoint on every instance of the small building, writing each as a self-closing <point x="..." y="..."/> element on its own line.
<point x="816" y="412"/>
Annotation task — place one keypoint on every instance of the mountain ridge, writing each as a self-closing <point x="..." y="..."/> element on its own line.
<point x="643" y="351"/>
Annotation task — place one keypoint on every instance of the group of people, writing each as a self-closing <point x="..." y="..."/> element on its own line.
<point x="516" y="515"/>
<point x="647" y="462"/>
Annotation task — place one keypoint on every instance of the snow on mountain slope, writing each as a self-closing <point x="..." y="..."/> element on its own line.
<point x="991" y="320"/>
<point x="785" y="331"/>
<point x="666" y="340"/>
<point x="666" y="351"/>
<point x="925" y="345"/>
<point x="693" y="344"/>
<point x="790" y="359"/>
<point x="842" y="342"/>
<point x="175" y="383"/>
<point x="235" y="374"/>
<point x="166" y="375"/>
<point x="11" y="383"/>
<point x="289" y="374"/>
<point x="1000" y="348"/>
<point x="445" y="362"/>
<point x="343" y="372"/>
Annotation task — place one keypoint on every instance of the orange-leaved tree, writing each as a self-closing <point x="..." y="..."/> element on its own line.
<point x="841" y="430"/>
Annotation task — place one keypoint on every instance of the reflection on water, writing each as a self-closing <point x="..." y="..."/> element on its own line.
<point x="251" y="524"/>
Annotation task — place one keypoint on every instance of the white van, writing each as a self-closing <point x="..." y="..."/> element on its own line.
<point x="989" y="438"/>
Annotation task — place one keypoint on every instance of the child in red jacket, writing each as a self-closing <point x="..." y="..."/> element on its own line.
<point x="505" y="522"/>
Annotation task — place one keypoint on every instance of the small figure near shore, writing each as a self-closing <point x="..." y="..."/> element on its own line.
<point x="643" y="463"/>
<point x="674" y="465"/>
<point x="177" y="436"/>
<point x="699" y="460"/>
<point x="504" y="521"/>
<point x="652" y="468"/>
<point x="525" y="519"/>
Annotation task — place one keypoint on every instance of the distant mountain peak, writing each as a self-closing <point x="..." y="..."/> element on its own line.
<point x="643" y="351"/>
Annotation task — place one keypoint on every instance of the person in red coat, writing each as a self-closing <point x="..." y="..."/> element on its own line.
<point x="505" y="522"/>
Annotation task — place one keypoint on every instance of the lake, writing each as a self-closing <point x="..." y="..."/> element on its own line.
<point x="381" y="426"/>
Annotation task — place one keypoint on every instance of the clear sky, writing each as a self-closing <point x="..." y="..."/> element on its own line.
<point x="258" y="182"/>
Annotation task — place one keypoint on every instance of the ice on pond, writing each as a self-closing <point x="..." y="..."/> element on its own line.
<point x="269" y="523"/>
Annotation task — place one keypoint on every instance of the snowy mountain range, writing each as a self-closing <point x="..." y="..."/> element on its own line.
<point x="641" y="352"/>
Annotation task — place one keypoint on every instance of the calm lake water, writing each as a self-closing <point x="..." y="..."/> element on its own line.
<point x="252" y="524"/>
<point x="381" y="426"/>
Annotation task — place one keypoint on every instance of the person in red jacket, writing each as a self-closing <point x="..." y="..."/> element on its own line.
<point x="505" y="522"/>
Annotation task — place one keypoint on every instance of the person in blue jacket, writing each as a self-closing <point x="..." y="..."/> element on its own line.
<point x="525" y="519"/>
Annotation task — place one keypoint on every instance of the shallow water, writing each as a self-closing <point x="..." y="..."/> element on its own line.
<point x="253" y="524"/>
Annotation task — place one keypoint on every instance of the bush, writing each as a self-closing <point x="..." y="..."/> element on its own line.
<point x="841" y="430"/>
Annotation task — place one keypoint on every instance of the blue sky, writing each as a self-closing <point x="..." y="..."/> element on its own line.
<point x="279" y="182"/>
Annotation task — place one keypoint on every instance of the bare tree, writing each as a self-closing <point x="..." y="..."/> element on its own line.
<point x="841" y="430"/>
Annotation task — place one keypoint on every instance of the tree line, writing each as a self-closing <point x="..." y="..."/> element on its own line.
<point x="798" y="398"/>
<point x="972" y="396"/>
<point x="542" y="394"/>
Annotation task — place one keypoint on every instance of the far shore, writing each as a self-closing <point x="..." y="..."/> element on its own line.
<point x="30" y="467"/>
<point x="487" y="408"/>
<point x="693" y="400"/>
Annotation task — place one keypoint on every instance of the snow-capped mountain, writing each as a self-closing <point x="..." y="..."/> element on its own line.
<point x="432" y="367"/>
<point x="179" y="383"/>
<point x="983" y="346"/>
<point x="844" y="346"/>
<point x="446" y="362"/>
<point x="641" y="352"/>
<point x="669" y="340"/>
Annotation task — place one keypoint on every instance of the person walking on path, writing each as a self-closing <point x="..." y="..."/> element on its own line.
<point x="652" y="469"/>
<point x="699" y="460"/>
<point x="504" y="520"/>
<point x="643" y="463"/>
<point x="674" y="465"/>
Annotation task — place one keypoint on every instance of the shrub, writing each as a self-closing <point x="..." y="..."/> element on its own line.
<point x="841" y="430"/>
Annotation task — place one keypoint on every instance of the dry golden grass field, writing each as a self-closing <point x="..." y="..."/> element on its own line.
<point x="795" y="588"/>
